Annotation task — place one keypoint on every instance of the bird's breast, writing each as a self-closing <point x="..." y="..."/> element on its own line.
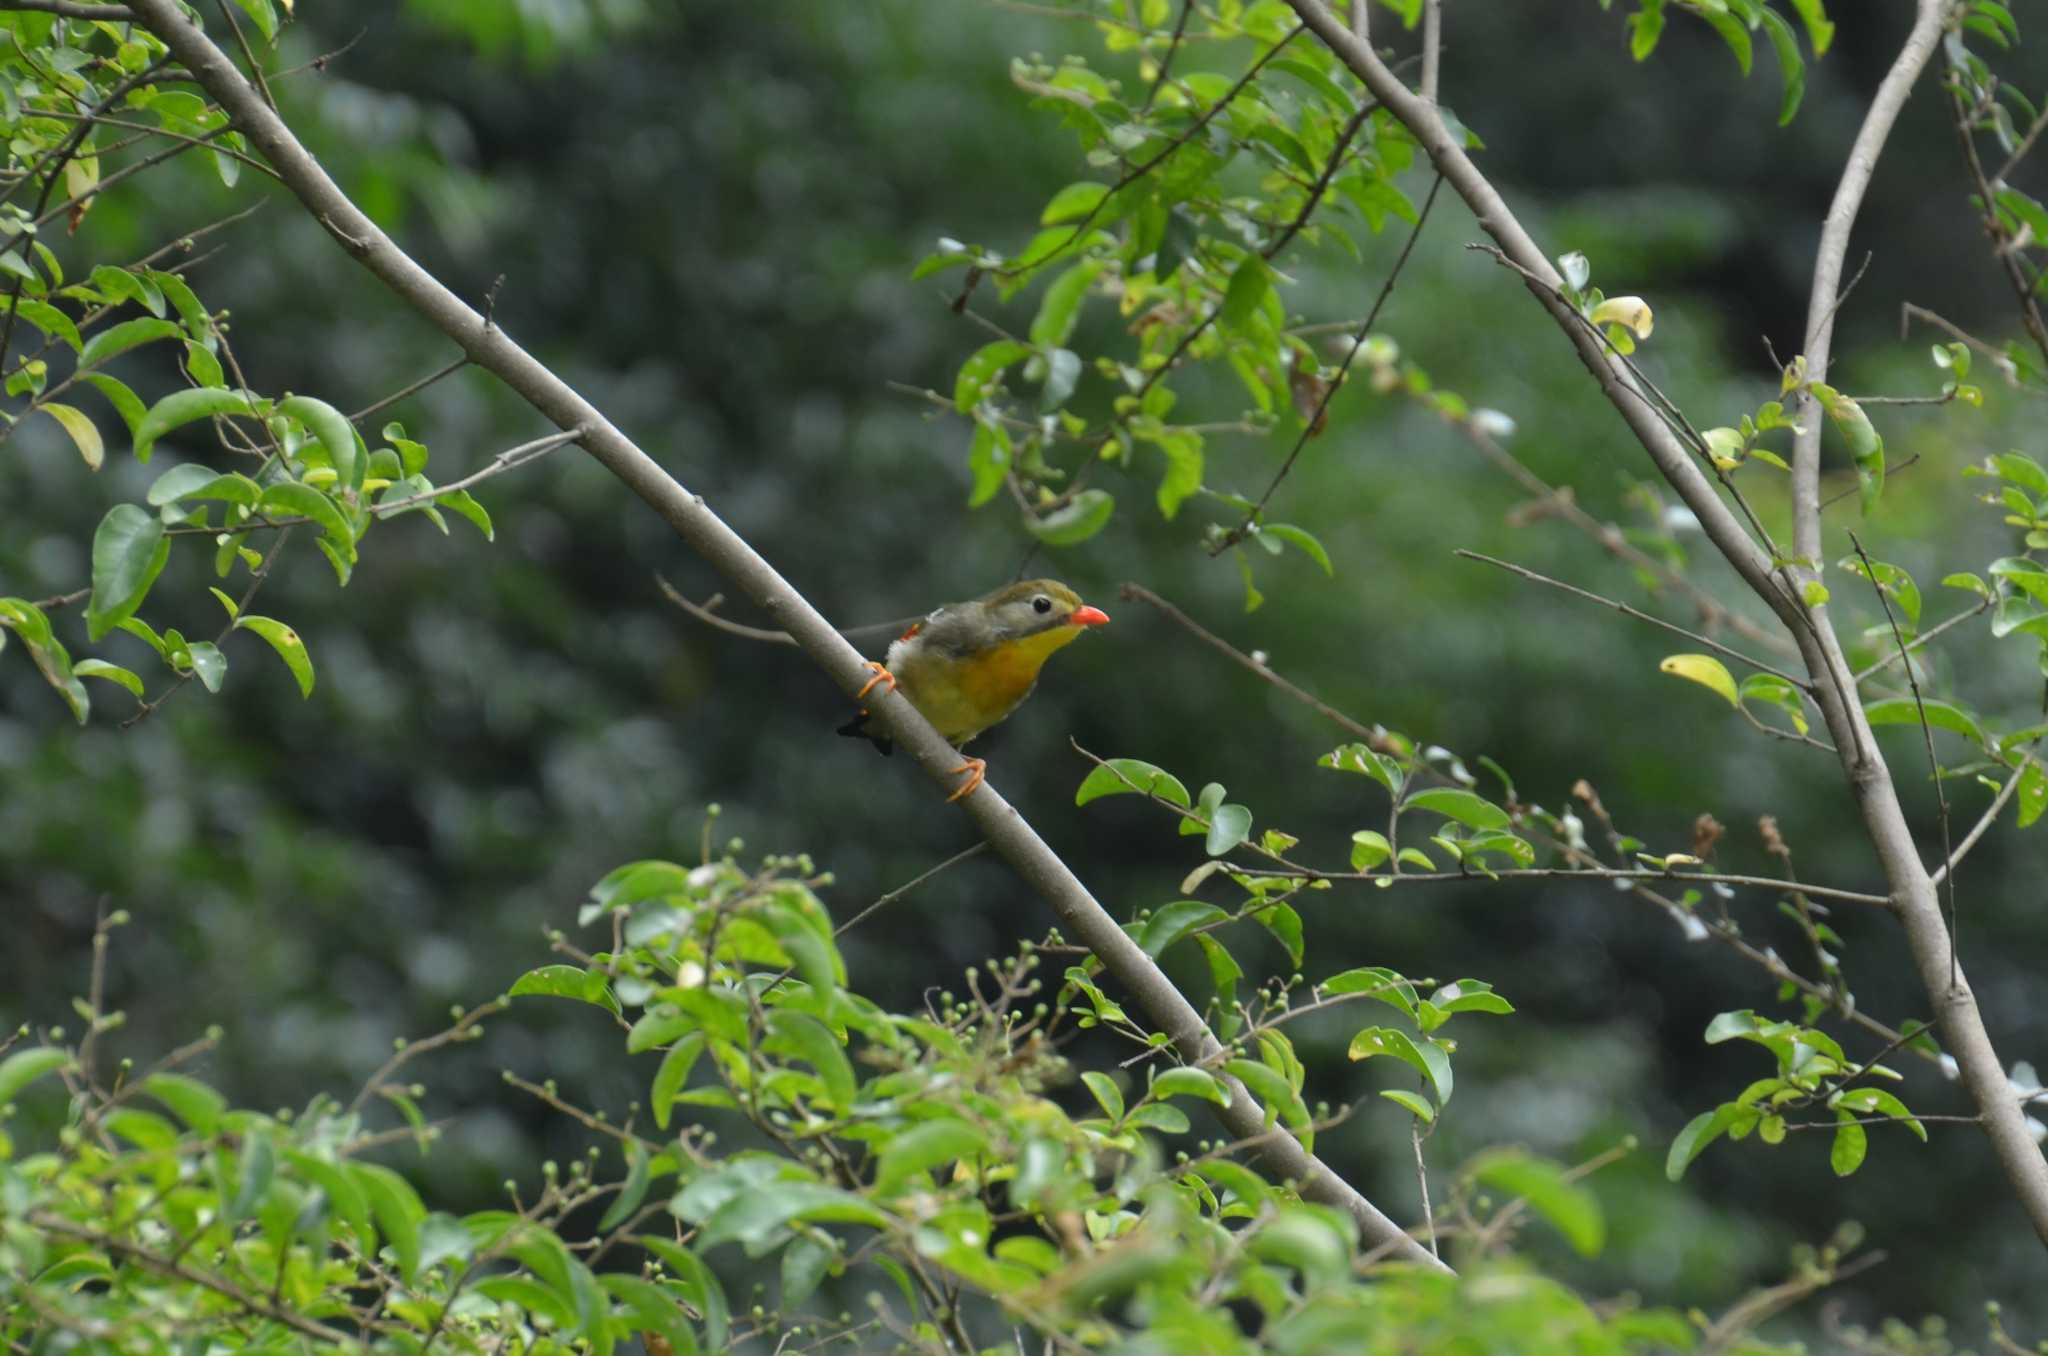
<point x="962" y="695"/>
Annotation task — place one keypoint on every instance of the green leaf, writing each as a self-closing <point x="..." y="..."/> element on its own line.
<point x="1229" y="825"/>
<point x="398" y="1210"/>
<point x="1542" y="1184"/>
<point x="673" y="1074"/>
<point x="2030" y="577"/>
<point x="84" y="434"/>
<point x="262" y="15"/>
<point x="335" y="433"/>
<point x="190" y="1100"/>
<point x="982" y="367"/>
<point x="1281" y="1100"/>
<point x="1118" y="776"/>
<point x="988" y="459"/>
<point x="1359" y="758"/>
<point x="119" y="284"/>
<point x="1463" y="806"/>
<point x="50" y="321"/>
<point x="1699" y="1132"/>
<point x="1425" y="1057"/>
<point x="178" y="482"/>
<point x="24" y="1067"/>
<point x="1105" y="1092"/>
<point x="1732" y="32"/>
<point x="1417" y="1104"/>
<point x="1865" y="1100"/>
<point x="292" y="498"/>
<point x="1248" y="286"/>
<point x="697" y="1283"/>
<point x="113" y="673"/>
<point x="1189" y="1081"/>
<point x="1940" y="715"/>
<point x="2032" y="793"/>
<point x="1174" y="921"/>
<point x="1819" y="32"/>
<point x="288" y="646"/>
<point x="808" y="1039"/>
<point x="1470" y="995"/>
<point x="753" y="1217"/>
<point x="1850" y="1147"/>
<point x="1086" y="514"/>
<point x="463" y="503"/>
<point x="1376" y="981"/>
<point x="1369" y="849"/>
<point x="1061" y="307"/>
<point x="125" y="402"/>
<point x="182" y="407"/>
<point x="1705" y="670"/>
<point x="1301" y="541"/>
<point x="567" y="981"/>
<point x="128" y="553"/>
<point x="118" y="339"/>
<point x="1073" y="201"/>
<point x="208" y="663"/>
<point x="1285" y="926"/>
<point x="1791" y="68"/>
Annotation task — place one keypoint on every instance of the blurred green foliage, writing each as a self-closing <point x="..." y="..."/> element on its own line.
<point x="709" y="223"/>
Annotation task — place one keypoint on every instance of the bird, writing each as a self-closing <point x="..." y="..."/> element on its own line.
<point x="967" y="666"/>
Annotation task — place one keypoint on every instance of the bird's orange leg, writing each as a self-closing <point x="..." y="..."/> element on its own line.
<point x="882" y="675"/>
<point x="977" y="772"/>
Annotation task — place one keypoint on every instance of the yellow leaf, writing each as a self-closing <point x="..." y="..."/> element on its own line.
<point x="1633" y="312"/>
<point x="83" y="433"/>
<point x="1705" y="670"/>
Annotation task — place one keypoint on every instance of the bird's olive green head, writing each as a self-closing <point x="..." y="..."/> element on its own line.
<point x="1034" y="605"/>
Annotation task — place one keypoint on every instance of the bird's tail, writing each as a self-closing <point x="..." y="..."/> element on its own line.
<point x="857" y="728"/>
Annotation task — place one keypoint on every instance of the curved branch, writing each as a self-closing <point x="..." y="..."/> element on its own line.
<point x="489" y="347"/>
<point x="1671" y="456"/>
<point x="1834" y="248"/>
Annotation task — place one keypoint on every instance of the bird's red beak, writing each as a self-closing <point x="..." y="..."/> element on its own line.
<point x="1089" y="616"/>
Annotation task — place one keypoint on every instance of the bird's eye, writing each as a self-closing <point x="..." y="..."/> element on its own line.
<point x="1041" y="604"/>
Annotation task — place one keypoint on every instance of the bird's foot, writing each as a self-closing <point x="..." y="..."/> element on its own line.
<point x="882" y="675"/>
<point x="977" y="772"/>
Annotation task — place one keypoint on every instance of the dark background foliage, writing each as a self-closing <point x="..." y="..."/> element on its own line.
<point x="707" y="219"/>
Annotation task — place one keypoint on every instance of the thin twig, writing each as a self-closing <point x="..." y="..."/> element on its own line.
<point x="1315" y="421"/>
<point x="1180" y="28"/>
<point x="1607" y="873"/>
<point x="1802" y="684"/>
<point x="414" y="389"/>
<point x="905" y="888"/>
<point x="1983" y="824"/>
<point x="1927" y="734"/>
<point x="707" y="613"/>
<point x="1879" y="665"/>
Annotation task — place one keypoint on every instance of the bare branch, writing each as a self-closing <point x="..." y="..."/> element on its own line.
<point x="1314" y="423"/>
<point x="1432" y="47"/>
<point x="1827" y="269"/>
<point x="1628" y="611"/>
<point x="1984" y="822"/>
<point x="68" y="9"/>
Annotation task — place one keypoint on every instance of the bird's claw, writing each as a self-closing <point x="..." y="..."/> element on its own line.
<point x="882" y="675"/>
<point x="977" y="772"/>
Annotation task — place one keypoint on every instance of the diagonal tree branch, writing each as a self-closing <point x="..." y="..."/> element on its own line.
<point x="490" y="348"/>
<point x="1834" y="248"/>
<point x="1913" y="894"/>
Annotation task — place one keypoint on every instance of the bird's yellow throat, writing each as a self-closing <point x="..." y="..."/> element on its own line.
<point x="999" y="677"/>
